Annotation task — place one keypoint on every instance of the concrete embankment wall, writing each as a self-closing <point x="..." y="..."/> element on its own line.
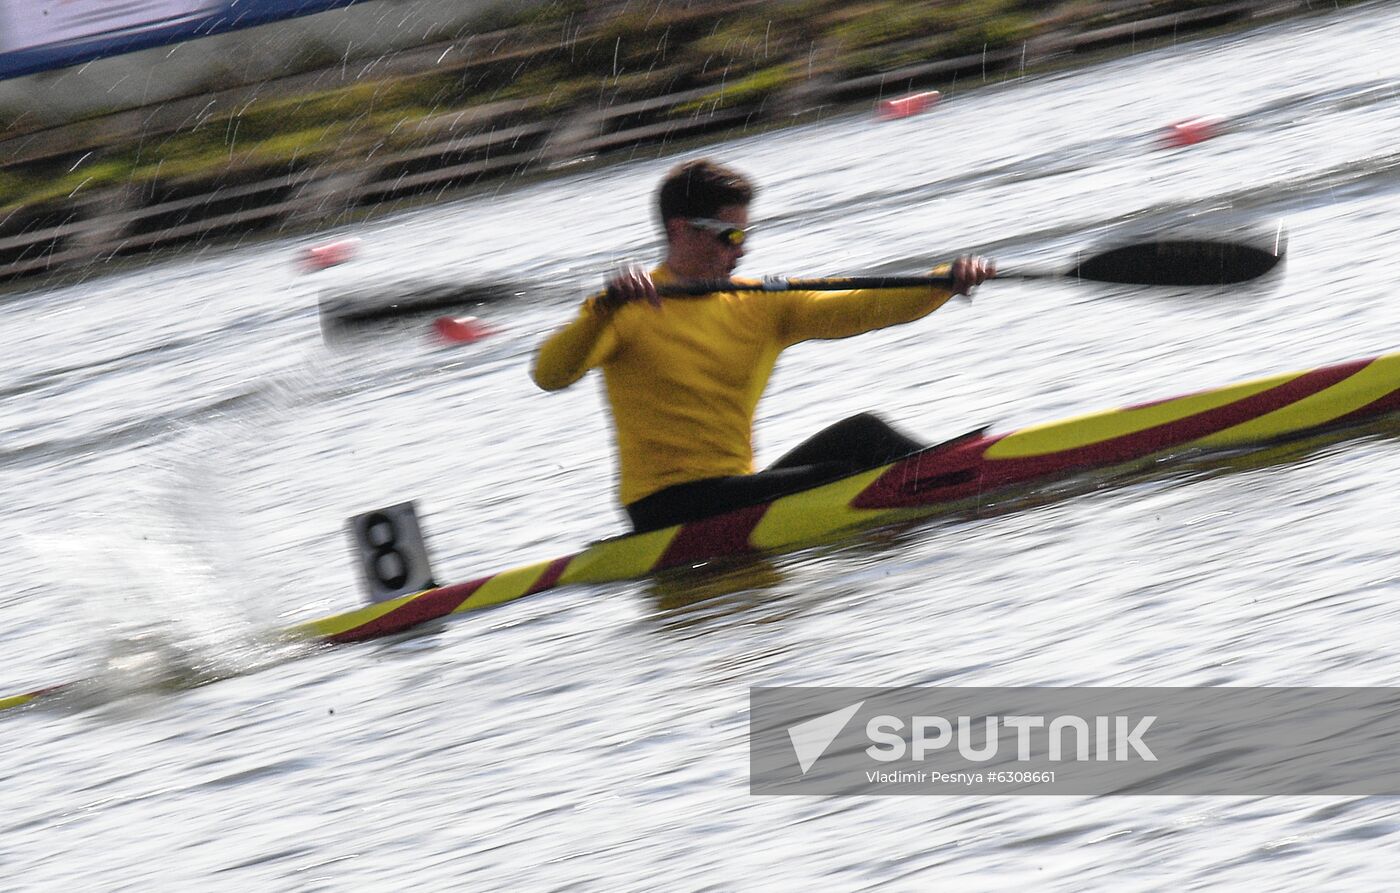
<point x="483" y="144"/>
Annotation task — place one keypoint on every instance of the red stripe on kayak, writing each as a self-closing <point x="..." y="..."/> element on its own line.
<point x="964" y="472"/>
<point x="1179" y="432"/>
<point x="939" y="474"/>
<point x="551" y="575"/>
<point x="429" y="605"/>
<point x="1378" y="407"/>
<point x="717" y="537"/>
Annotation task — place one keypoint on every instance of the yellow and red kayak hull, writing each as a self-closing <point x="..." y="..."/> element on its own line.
<point x="952" y="474"/>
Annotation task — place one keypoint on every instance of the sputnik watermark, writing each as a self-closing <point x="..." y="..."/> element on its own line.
<point x="1061" y="738"/>
<point x="933" y="734"/>
<point x="810" y="739"/>
<point x="1080" y="741"/>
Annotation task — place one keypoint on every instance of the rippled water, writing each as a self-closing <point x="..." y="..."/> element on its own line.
<point x="181" y="453"/>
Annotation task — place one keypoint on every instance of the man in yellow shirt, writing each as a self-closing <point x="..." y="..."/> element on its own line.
<point x="684" y="374"/>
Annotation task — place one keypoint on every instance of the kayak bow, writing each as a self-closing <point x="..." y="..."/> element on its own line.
<point x="946" y="477"/>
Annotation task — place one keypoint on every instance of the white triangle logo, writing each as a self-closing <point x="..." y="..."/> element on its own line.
<point x="810" y="739"/>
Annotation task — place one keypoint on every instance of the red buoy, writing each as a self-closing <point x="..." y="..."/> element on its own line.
<point x="1191" y="131"/>
<point x="461" y="329"/>
<point x="904" y="106"/>
<point x="318" y="257"/>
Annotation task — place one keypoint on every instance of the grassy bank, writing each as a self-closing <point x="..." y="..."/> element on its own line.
<point x="549" y="61"/>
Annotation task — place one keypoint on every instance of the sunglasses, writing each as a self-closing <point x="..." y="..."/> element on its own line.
<point x="729" y="235"/>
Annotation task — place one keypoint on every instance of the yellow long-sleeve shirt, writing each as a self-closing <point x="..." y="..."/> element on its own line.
<point x="684" y="380"/>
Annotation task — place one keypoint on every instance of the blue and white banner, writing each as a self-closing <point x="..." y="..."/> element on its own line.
<point x="37" y="35"/>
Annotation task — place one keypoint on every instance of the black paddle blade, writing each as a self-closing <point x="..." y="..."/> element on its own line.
<point x="372" y="312"/>
<point x="1182" y="261"/>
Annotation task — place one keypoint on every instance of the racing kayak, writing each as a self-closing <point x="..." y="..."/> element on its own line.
<point x="940" y="478"/>
<point x="949" y="476"/>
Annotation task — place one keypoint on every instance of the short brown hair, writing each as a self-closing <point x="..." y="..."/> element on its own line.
<point x="700" y="188"/>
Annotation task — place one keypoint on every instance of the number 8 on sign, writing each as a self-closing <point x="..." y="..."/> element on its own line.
<point x="392" y="556"/>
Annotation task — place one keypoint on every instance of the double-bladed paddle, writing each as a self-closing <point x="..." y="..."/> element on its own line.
<point x="1181" y="262"/>
<point x="1166" y="261"/>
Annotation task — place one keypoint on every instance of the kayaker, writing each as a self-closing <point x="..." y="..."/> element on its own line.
<point x="684" y="375"/>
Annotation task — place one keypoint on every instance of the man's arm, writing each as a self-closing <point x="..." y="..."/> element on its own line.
<point x="813" y="315"/>
<point x="573" y="349"/>
<point x="587" y="341"/>
<point x="841" y="314"/>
